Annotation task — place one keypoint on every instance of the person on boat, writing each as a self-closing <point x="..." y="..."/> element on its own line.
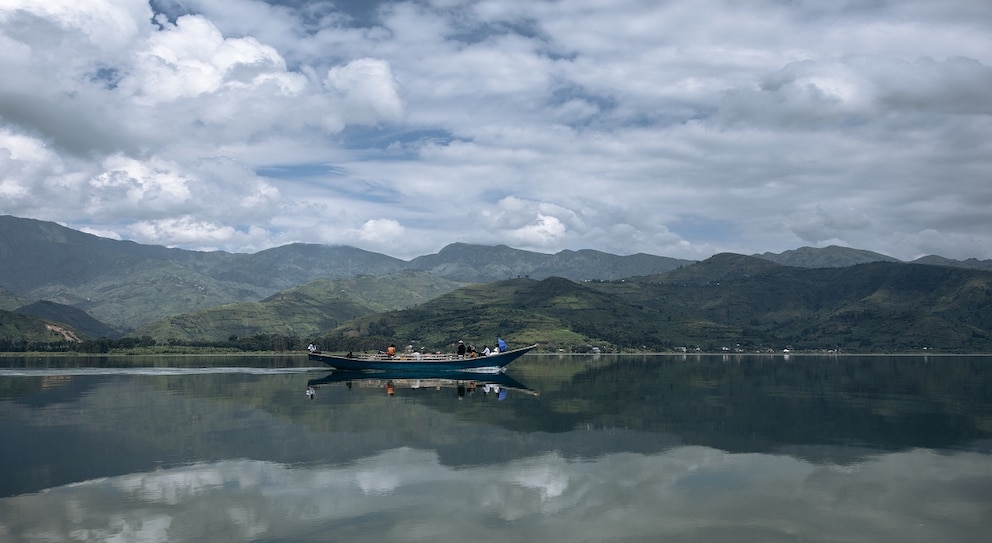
<point x="486" y="351"/>
<point x="500" y="345"/>
<point x="461" y="348"/>
<point x="391" y="350"/>
<point x="312" y="348"/>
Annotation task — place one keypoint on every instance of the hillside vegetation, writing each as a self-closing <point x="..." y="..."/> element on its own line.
<point x="127" y="285"/>
<point x="21" y="333"/>
<point x="728" y="302"/>
<point x="58" y="285"/>
<point x="302" y="312"/>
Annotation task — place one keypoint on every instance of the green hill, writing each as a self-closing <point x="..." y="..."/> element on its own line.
<point x="69" y="316"/>
<point x="553" y="312"/>
<point x="303" y="311"/>
<point x="20" y="332"/>
<point x="825" y="257"/>
<point x="830" y="298"/>
<point x="484" y="264"/>
<point x="128" y="285"/>
<point x="875" y="306"/>
<point x="727" y="302"/>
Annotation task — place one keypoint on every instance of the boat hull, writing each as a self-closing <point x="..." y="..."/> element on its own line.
<point x="492" y="363"/>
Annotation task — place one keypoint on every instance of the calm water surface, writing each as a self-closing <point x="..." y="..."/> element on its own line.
<point x="578" y="449"/>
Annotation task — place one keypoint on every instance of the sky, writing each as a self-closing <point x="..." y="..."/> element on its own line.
<point x="679" y="128"/>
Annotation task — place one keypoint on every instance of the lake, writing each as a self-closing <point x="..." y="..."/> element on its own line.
<point x="708" y="448"/>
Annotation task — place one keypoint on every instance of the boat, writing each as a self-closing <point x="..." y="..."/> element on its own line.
<point x="412" y="362"/>
<point x="390" y="381"/>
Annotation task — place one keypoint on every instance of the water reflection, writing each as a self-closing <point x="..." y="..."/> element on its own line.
<point x="462" y="383"/>
<point x="684" y="494"/>
<point x="613" y="448"/>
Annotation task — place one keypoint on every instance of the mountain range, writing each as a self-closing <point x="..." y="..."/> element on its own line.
<point x="127" y="285"/>
<point x="54" y="278"/>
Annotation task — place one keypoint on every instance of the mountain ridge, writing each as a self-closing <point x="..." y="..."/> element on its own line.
<point x="128" y="286"/>
<point x="726" y="303"/>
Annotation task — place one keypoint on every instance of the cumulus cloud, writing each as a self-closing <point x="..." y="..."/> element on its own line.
<point x="541" y="125"/>
<point x="368" y="91"/>
<point x="191" y="58"/>
<point x="184" y="229"/>
<point x="382" y="231"/>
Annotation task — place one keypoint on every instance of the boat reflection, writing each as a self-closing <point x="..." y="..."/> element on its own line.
<point x="463" y="383"/>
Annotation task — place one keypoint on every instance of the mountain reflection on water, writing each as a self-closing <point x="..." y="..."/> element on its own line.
<point x="707" y="448"/>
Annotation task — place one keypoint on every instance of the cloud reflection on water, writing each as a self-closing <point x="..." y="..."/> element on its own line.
<point x="405" y="494"/>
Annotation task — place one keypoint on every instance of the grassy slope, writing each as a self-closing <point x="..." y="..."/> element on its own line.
<point x="304" y="311"/>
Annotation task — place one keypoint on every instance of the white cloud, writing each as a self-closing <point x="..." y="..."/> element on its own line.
<point x="381" y="232"/>
<point x="368" y="91"/>
<point x="551" y="125"/>
<point x="147" y="184"/>
<point x="22" y="160"/>
<point x="185" y="230"/>
<point x="191" y="58"/>
<point x="105" y="23"/>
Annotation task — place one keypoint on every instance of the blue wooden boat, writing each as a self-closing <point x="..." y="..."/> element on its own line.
<point x="418" y="362"/>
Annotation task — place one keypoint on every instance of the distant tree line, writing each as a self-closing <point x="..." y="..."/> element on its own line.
<point x="355" y="343"/>
<point x="103" y="345"/>
<point x="8" y="345"/>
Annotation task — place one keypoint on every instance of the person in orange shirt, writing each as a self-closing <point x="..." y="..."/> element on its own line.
<point x="391" y="351"/>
